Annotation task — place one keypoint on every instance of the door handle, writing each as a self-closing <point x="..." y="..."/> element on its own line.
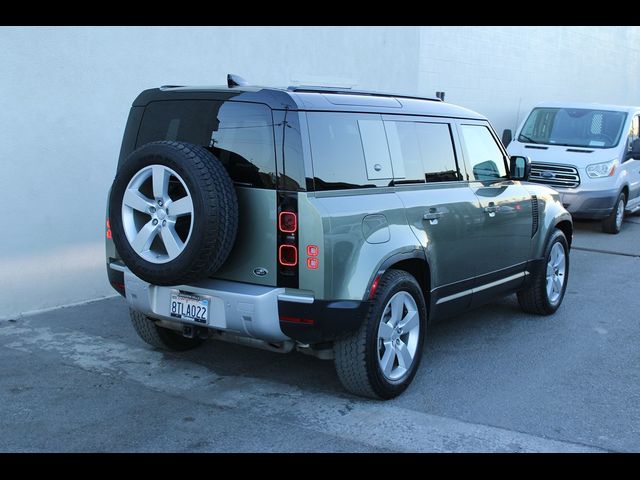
<point x="491" y="209"/>
<point x="433" y="215"/>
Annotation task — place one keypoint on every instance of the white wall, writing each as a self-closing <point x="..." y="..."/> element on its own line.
<point x="65" y="94"/>
<point x="64" y="98"/>
<point x="503" y="71"/>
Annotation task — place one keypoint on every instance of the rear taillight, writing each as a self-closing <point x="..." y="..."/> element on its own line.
<point x="108" y="229"/>
<point x="287" y="222"/>
<point x="288" y="255"/>
<point x="288" y="230"/>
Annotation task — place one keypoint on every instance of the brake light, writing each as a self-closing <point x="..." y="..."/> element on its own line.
<point x="313" y="263"/>
<point x="108" y="229"/>
<point x="287" y="222"/>
<point x="312" y="250"/>
<point x="288" y="255"/>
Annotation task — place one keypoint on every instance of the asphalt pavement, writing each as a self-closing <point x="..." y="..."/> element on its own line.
<point x="78" y="379"/>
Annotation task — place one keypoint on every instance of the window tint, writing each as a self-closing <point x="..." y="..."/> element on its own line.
<point x="239" y="134"/>
<point x="438" y="157"/>
<point x="338" y="153"/>
<point x="421" y="151"/>
<point x="482" y="152"/>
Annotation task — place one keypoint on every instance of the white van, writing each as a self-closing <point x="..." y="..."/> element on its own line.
<point x="589" y="153"/>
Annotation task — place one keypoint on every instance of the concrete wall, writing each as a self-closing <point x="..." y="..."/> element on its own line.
<point x="503" y="71"/>
<point x="64" y="99"/>
<point x="65" y="95"/>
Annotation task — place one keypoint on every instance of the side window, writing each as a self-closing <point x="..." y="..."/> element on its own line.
<point x="438" y="156"/>
<point x="348" y="151"/>
<point x="634" y="133"/>
<point x="421" y="151"/>
<point x="482" y="152"/>
<point x="239" y="134"/>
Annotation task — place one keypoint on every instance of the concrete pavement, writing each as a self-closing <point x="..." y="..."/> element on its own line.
<point x="494" y="379"/>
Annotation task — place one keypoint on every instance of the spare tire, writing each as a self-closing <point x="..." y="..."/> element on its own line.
<point x="173" y="213"/>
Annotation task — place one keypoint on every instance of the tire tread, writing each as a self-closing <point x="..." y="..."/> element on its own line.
<point x="350" y="349"/>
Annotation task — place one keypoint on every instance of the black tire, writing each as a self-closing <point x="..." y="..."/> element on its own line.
<point x="610" y="224"/>
<point x="356" y="354"/>
<point x="160" y="337"/>
<point x="534" y="298"/>
<point x="215" y="212"/>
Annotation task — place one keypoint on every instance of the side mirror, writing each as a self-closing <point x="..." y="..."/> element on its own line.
<point x="634" y="153"/>
<point x="520" y="168"/>
<point x="507" y="136"/>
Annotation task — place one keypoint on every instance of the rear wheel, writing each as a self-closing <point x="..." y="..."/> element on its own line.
<point x="160" y="337"/>
<point x="381" y="358"/>
<point x="613" y="223"/>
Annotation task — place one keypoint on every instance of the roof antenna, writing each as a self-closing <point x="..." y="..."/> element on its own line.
<point x="235" y="81"/>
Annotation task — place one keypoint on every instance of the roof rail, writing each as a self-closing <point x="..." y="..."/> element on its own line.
<point x="166" y="87"/>
<point x="349" y="91"/>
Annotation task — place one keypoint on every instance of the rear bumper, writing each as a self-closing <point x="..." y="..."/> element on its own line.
<point x="247" y="310"/>
<point x="596" y="204"/>
<point x="321" y="320"/>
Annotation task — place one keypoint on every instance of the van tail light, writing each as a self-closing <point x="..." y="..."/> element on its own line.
<point x="108" y="229"/>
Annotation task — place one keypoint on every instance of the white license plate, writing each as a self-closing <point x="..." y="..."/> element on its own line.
<point x="189" y="306"/>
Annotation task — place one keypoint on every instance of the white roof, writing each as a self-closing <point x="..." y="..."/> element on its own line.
<point x="595" y="106"/>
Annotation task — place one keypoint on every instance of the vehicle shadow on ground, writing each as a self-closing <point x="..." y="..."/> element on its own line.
<point x="475" y="329"/>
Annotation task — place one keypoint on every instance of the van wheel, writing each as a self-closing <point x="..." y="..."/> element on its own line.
<point x="381" y="358"/>
<point x="160" y="337"/>
<point x="613" y="223"/>
<point x="546" y="291"/>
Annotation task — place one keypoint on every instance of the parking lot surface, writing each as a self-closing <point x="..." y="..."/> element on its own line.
<point x="494" y="380"/>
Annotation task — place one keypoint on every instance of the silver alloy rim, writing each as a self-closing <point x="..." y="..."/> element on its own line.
<point x="556" y="273"/>
<point x="144" y="219"/>
<point x="398" y="334"/>
<point x="619" y="214"/>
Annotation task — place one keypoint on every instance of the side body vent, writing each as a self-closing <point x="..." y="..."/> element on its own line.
<point x="535" y="214"/>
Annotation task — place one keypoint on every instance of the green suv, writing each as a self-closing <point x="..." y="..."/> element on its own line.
<point x="333" y="222"/>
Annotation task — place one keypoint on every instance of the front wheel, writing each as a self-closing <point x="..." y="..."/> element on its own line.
<point x="381" y="358"/>
<point x="613" y="223"/>
<point x="546" y="291"/>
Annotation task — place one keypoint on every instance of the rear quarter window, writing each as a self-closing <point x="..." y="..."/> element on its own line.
<point x="348" y="151"/>
<point x="239" y="134"/>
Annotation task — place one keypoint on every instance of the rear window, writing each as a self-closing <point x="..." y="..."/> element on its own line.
<point x="240" y="134"/>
